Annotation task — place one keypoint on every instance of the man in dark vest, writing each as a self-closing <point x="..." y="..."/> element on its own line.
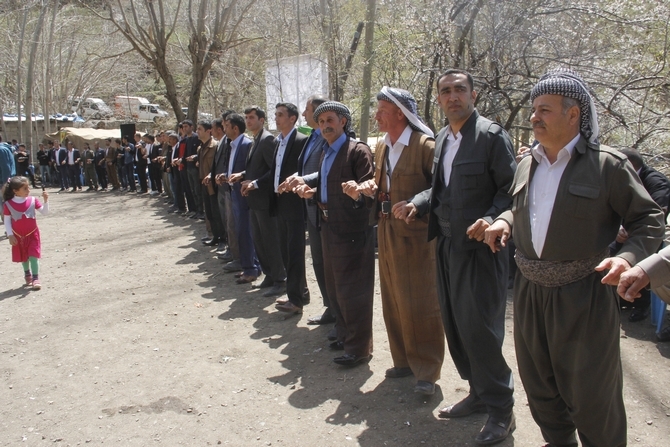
<point x="473" y="169"/>
<point x="346" y="236"/>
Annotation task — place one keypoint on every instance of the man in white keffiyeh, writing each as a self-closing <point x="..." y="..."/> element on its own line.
<point x="404" y="158"/>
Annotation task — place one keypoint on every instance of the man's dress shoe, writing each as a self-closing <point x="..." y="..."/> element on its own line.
<point x="326" y="318"/>
<point x="664" y="335"/>
<point x="496" y="429"/>
<point x="225" y="256"/>
<point x="337" y="346"/>
<point x="638" y="314"/>
<point x="246" y="279"/>
<point x="424" y="387"/>
<point x="466" y="407"/>
<point x="211" y="242"/>
<point x="267" y="282"/>
<point x="275" y="290"/>
<point x="332" y="334"/>
<point x="351" y="359"/>
<point x="396" y="373"/>
<point x="289" y="307"/>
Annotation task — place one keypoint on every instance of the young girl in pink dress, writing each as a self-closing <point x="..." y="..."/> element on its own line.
<point x="21" y="226"/>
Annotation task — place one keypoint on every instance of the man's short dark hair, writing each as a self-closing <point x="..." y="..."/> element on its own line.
<point x="108" y="139"/>
<point x="218" y="123"/>
<point x="633" y="156"/>
<point x="225" y="113"/>
<point x="206" y="124"/>
<point x="453" y="71"/>
<point x="317" y="100"/>
<point x="258" y="110"/>
<point x="150" y="137"/>
<point x="117" y="141"/>
<point x="291" y="108"/>
<point x="186" y="122"/>
<point x="22" y="145"/>
<point x="237" y="120"/>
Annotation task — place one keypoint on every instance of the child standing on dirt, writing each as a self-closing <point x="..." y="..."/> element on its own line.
<point x="21" y="226"/>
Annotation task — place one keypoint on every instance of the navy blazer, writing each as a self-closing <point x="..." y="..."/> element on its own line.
<point x="239" y="163"/>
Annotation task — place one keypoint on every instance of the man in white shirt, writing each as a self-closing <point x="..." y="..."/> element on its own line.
<point x="570" y="197"/>
<point x="472" y="172"/>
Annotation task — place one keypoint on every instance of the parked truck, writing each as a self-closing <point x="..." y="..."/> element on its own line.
<point x="137" y="108"/>
<point x="94" y="108"/>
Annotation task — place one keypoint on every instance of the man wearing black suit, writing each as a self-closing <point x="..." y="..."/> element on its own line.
<point x="141" y="162"/>
<point x="473" y="170"/>
<point x="153" y="149"/>
<point x="129" y="153"/>
<point x="288" y="207"/>
<point x="71" y="161"/>
<point x="263" y="226"/>
<point x="308" y="170"/>
<point x="240" y="144"/>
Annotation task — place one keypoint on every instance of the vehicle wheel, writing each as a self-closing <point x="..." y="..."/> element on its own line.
<point x="97" y="116"/>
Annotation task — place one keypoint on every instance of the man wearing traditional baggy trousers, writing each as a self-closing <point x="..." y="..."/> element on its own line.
<point x="570" y="197"/>
<point x="473" y="169"/>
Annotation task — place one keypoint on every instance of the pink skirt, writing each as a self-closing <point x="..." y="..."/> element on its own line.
<point x="27" y="246"/>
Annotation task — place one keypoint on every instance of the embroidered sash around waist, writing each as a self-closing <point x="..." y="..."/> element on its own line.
<point x="557" y="273"/>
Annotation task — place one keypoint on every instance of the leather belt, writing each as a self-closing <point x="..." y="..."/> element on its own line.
<point x="323" y="209"/>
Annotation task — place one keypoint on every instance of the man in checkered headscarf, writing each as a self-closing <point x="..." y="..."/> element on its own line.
<point x="404" y="159"/>
<point x="570" y="197"/>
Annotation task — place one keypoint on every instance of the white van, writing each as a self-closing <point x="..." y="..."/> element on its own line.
<point x="138" y="108"/>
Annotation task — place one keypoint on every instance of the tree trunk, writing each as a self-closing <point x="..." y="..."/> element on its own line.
<point x="367" y="68"/>
<point x="18" y="72"/>
<point x="48" y="86"/>
<point x="30" y="78"/>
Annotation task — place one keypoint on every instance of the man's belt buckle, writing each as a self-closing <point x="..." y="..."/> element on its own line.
<point x="386" y="207"/>
<point x="325" y="213"/>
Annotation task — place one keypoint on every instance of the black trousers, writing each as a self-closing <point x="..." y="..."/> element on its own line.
<point x="177" y="190"/>
<point x="156" y="177"/>
<point x="74" y="174"/>
<point x="472" y="291"/>
<point x="213" y="214"/>
<point x="64" y="176"/>
<point x="185" y="186"/>
<point x="129" y="175"/>
<point x="196" y="191"/>
<point x="292" y="243"/>
<point x="101" y="172"/>
<point x="142" y="176"/>
<point x="265" y="234"/>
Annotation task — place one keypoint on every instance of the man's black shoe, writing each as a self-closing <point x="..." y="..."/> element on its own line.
<point x="326" y="318"/>
<point x="638" y="314"/>
<point x="496" y="429"/>
<point x="336" y="346"/>
<point x="351" y="360"/>
<point x="466" y="407"/>
<point x="664" y="335"/>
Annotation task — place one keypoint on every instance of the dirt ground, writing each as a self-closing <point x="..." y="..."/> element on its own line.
<point x="138" y="338"/>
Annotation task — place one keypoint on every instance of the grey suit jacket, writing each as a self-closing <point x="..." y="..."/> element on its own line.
<point x="657" y="267"/>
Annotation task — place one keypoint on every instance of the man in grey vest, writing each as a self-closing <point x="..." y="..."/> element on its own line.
<point x="473" y="169"/>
